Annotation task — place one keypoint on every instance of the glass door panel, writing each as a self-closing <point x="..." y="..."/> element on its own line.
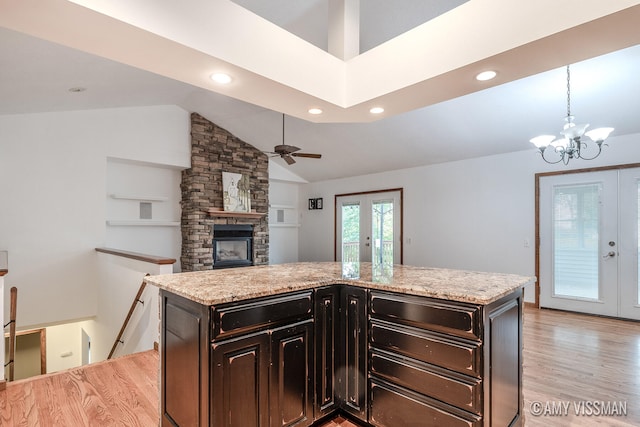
<point x="350" y="232"/>
<point x="382" y="233"/>
<point x="576" y="219"/>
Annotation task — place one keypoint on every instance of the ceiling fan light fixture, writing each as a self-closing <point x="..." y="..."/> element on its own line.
<point x="221" y="78"/>
<point x="315" y="111"/>
<point x="376" y="110"/>
<point x="486" y="75"/>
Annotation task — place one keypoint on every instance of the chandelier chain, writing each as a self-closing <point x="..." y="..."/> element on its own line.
<point x="568" y="92"/>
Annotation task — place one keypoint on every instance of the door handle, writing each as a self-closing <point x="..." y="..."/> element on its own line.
<point x="611" y="254"/>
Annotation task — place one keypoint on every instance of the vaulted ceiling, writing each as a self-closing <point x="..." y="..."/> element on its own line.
<point x="416" y="58"/>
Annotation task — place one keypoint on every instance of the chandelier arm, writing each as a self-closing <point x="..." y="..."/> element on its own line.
<point x="542" y="151"/>
<point x="600" y="144"/>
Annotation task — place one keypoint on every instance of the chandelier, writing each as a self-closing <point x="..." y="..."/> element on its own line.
<point x="574" y="141"/>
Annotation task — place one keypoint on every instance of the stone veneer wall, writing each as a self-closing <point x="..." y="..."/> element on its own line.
<point x="214" y="150"/>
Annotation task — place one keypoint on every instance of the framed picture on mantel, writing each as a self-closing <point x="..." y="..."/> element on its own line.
<point x="236" y="192"/>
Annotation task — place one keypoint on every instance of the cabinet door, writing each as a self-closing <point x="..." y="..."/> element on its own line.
<point x="240" y="375"/>
<point x="291" y="375"/>
<point x="327" y="303"/>
<point x="353" y="348"/>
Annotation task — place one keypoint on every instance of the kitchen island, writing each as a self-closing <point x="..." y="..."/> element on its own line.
<point x="293" y="344"/>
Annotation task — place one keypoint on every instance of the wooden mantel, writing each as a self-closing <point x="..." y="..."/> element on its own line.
<point x="217" y="212"/>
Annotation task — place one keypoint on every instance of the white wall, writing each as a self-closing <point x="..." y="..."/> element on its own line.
<point x="53" y="184"/>
<point x="64" y="346"/>
<point x="474" y="214"/>
<point x="120" y="278"/>
<point x="283" y="236"/>
<point x="127" y="180"/>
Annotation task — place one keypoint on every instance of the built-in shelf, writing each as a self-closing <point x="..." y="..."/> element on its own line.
<point x="140" y="198"/>
<point x="217" y="212"/>
<point x="282" y="207"/>
<point x="142" y="223"/>
<point x="282" y="225"/>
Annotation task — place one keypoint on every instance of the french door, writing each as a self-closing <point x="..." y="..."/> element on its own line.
<point x="589" y="242"/>
<point x="368" y="228"/>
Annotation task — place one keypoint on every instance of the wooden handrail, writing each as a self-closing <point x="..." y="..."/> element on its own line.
<point x="136" y="300"/>
<point x="152" y="259"/>
<point x="12" y="331"/>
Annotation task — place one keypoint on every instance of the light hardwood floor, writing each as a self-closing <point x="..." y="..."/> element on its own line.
<point x="569" y="359"/>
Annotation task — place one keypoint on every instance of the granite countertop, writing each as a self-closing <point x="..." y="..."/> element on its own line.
<point x="234" y="284"/>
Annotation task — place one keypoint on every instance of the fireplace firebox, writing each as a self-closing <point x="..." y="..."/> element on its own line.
<point x="232" y="245"/>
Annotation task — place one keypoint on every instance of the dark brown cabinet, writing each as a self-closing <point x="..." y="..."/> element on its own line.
<point x="352" y="350"/>
<point x="341" y="350"/>
<point x="291" y="375"/>
<point x="444" y="362"/>
<point x="184" y="370"/>
<point x="327" y="318"/>
<point x="240" y="381"/>
<point x="384" y="358"/>
<point x="257" y="369"/>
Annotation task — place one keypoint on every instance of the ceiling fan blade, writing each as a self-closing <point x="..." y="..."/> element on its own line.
<point x="309" y="155"/>
<point x="288" y="159"/>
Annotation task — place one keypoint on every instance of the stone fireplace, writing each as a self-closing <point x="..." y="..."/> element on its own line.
<point x="214" y="150"/>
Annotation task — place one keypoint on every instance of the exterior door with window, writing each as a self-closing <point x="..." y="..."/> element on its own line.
<point x="368" y="228"/>
<point x="589" y="242"/>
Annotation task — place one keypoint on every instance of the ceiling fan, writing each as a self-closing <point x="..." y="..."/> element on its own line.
<point x="288" y="152"/>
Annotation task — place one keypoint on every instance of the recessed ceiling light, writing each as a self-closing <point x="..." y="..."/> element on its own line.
<point x="376" y="110"/>
<point x="486" y="75"/>
<point x="315" y="111"/>
<point x="221" y="78"/>
<point x="77" y="89"/>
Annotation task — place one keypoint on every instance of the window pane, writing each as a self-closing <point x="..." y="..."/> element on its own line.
<point x="351" y="233"/>
<point x="382" y="233"/>
<point x="576" y="240"/>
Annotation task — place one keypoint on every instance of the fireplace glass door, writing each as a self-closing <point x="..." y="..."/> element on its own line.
<point x="232" y="245"/>
<point x="232" y="250"/>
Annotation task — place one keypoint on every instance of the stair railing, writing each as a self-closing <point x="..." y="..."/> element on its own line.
<point x="12" y="332"/>
<point x="134" y="304"/>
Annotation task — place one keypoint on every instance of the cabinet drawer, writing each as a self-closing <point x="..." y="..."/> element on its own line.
<point x="392" y="406"/>
<point x="428" y="313"/>
<point x="454" y="389"/>
<point x="246" y="316"/>
<point x="456" y="354"/>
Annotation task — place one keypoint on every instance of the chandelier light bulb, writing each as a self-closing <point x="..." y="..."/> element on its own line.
<point x="542" y="141"/>
<point x="599" y="134"/>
